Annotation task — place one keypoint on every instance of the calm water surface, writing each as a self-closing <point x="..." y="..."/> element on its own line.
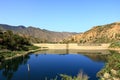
<point x="49" y="64"/>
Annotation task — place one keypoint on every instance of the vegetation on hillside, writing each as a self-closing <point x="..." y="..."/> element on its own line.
<point x="111" y="71"/>
<point x="115" y="45"/>
<point x="12" y="44"/>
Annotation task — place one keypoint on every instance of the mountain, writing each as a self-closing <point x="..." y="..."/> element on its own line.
<point x="99" y="34"/>
<point x="37" y="34"/>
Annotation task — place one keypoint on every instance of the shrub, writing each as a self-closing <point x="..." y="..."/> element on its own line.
<point x="115" y="45"/>
<point x="113" y="64"/>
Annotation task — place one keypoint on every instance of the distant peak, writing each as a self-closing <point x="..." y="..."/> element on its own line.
<point x="30" y="27"/>
<point x="21" y="26"/>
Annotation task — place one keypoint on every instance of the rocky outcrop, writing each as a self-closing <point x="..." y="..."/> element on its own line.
<point x="99" y="34"/>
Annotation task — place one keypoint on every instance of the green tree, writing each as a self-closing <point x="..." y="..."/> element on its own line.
<point x="11" y="41"/>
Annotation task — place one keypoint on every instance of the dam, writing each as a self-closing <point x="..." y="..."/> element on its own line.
<point x="74" y="46"/>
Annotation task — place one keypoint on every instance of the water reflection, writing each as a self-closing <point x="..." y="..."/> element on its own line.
<point x="95" y="55"/>
<point x="9" y="67"/>
<point x="66" y="51"/>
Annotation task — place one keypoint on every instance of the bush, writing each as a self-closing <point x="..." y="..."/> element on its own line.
<point x="112" y="64"/>
<point x="115" y="45"/>
<point x="13" y="42"/>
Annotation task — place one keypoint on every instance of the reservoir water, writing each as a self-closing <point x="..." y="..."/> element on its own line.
<point x="49" y="64"/>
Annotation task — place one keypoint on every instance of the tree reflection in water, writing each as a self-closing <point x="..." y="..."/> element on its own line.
<point x="9" y="67"/>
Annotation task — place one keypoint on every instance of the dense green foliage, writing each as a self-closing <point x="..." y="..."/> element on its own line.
<point x="115" y="45"/>
<point x="12" y="42"/>
<point x="112" y="68"/>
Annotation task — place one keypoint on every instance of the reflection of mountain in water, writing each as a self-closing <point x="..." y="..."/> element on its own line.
<point x="52" y="51"/>
<point x="66" y="51"/>
<point x="97" y="57"/>
<point x="9" y="67"/>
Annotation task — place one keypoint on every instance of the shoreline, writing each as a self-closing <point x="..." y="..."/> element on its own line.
<point x="32" y="51"/>
<point x="22" y="54"/>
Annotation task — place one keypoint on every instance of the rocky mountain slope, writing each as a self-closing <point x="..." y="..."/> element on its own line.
<point x="37" y="34"/>
<point x="99" y="34"/>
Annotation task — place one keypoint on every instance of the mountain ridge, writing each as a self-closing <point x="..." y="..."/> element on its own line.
<point x="41" y="35"/>
<point x="98" y="34"/>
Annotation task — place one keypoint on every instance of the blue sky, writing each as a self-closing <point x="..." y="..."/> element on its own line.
<point x="60" y="15"/>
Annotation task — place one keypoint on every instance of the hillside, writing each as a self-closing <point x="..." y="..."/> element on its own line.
<point x="37" y="34"/>
<point x="99" y="34"/>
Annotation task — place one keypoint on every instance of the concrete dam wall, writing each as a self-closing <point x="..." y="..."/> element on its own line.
<point x="73" y="46"/>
